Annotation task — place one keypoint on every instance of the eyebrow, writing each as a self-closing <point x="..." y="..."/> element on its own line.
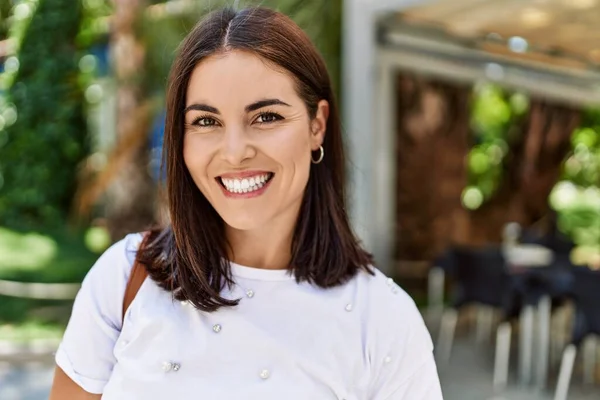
<point x="265" y="103"/>
<point x="249" y="108"/>
<point x="201" y="107"/>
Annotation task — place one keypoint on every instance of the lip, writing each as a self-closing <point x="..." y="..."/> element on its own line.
<point x="241" y="175"/>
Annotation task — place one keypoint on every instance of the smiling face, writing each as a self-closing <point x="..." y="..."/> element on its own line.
<point x="248" y="139"/>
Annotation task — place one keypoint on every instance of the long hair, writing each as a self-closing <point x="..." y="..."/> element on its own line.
<point x="189" y="257"/>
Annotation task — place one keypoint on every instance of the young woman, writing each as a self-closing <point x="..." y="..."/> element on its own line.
<point x="258" y="288"/>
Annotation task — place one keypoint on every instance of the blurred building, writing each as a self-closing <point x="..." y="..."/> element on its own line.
<point x="549" y="50"/>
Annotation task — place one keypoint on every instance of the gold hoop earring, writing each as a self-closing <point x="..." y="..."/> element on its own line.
<point x="320" y="156"/>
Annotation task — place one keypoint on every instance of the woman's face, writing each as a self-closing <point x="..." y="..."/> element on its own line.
<point x="248" y="139"/>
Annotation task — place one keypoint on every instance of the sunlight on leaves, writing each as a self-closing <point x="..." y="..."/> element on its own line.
<point x="25" y="250"/>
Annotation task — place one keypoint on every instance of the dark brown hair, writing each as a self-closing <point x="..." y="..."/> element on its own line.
<point x="189" y="257"/>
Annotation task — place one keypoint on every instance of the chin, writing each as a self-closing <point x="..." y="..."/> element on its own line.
<point x="244" y="221"/>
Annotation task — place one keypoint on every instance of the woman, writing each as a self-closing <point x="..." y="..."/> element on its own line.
<point x="258" y="289"/>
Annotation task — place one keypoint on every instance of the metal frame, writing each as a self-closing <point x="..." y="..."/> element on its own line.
<point x="367" y="127"/>
<point x="383" y="194"/>
<point x="432" y="54"/>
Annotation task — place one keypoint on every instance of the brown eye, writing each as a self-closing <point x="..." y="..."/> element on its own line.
<point x="204" y="122"/>
<point x="268" y="117"/>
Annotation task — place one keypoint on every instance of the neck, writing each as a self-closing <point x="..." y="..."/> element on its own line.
<point x="266" y="247"/>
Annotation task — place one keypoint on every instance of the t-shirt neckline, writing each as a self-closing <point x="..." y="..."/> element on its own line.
<point x="261" y="274"/>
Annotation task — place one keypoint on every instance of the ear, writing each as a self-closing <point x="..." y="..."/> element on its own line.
<point x="318" y="125"/>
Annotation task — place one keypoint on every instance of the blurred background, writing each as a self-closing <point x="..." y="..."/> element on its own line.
<point x="473" y="131"/>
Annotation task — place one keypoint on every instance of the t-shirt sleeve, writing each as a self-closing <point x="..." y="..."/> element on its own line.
<point x="401" y="355"/>
<point x="86" y="351"/>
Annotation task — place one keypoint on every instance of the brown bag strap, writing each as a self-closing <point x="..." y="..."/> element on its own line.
<point x="134" y="283"/>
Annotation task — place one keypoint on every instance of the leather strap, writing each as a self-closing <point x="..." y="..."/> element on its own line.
<point x="134" y="283"/>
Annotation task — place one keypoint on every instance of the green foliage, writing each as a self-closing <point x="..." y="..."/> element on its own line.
<point x="576" y="198"/>
<point x="16" y="25"/>
<point x="583" y="166"/>
<point x="493" y="113"/>
<point x="25" y="251"/>
<point x="30" y="330"/>
<point x="5" y="6"/>
<point x="20" y="18"/>
<point x="579" y="217"/>
<point x="97" y="239"/>
<point x="94" y="23"/>
<point x="56" y="256"/>
<point x="46" y="135"/>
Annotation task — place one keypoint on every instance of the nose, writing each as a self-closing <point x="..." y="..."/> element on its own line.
<point x="236" y="146"/>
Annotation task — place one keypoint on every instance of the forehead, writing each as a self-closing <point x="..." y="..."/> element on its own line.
<point x="238" y="78"/>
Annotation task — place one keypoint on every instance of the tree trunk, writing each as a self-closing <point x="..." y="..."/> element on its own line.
<point x="531" y="170"/>
<point x="130" y="200"/>
<point x="432" y="143"/>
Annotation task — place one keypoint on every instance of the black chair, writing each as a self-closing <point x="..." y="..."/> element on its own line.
<point x="481" y="278"/>
<point x="586" y="295"/>
<point x="442" y="268"/>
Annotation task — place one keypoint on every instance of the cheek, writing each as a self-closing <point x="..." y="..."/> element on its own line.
<point x="294" y="154"/>
<point x="290" y="147"/>
<point x="196" y="160"/>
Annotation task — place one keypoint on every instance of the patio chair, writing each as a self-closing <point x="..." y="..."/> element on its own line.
<point x="482" y="279"/>
<point x="586" y="294"/>
<point x="442" y="268"/>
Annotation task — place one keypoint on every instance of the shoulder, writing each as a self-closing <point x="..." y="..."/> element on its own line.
<point x="116" y="262"/>
<point x="391" y="321"/>
<point x="104" y="285"/>
<point x="386" y="302"/>
<point x="397" y="341"/>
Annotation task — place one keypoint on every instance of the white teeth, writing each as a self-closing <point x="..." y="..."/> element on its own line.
<point x="245" y="185"/>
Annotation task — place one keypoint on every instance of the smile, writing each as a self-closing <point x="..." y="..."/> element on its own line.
<point x="248" y="184"/>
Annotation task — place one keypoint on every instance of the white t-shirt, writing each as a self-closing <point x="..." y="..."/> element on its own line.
<point x="364" y="340"/>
